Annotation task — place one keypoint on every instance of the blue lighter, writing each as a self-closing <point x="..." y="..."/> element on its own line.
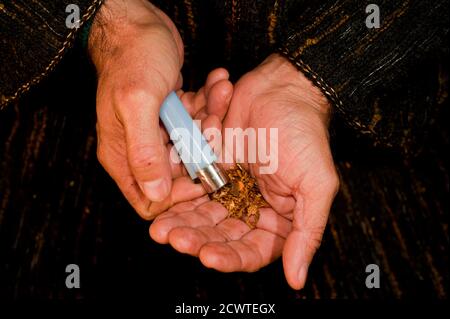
<point x="195" y="152"/>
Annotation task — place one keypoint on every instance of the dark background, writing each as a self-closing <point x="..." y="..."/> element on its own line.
<point x="58" y="206"/>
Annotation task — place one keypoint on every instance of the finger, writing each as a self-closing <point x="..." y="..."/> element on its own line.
<point x="117" y="168"/>
<point x="176" y="166"/>
<point x="183" y="207"/>
<point x="211" y="122"/>
<point x="271" y="221"/>
<point x="215" y="76"/>
<point x="146" y="152"/>
<point x="282" y="202"/>
<point x="212" y="131"/>
<point x="183" y="189"/>
<point x="189" y="240"/>
<point x="201" y="115"/>
<point x="133" y="194"/>
<point x="206" y="214"/>
<point x="256" y="249"/>
<point x="189" y="101"/>
<point x="219" y="98"/>
<point x="179" y="83"/>
<point x="200" y="99"/>
<point x="310" y="219"/>
<point x="164" y="135"/>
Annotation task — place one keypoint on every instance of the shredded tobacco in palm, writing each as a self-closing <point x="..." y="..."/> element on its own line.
<point x="241" y="196"/>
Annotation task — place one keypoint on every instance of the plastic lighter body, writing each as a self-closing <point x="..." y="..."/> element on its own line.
<point x="192" y="147"/>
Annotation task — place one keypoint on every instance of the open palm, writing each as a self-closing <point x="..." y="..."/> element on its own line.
<point x="300" y="191"/>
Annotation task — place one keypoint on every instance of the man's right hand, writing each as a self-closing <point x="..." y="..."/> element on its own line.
<point x="138" y="54"/>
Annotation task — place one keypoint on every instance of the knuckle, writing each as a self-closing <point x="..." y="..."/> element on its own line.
<point x="314" y="240"/>
<point x="132" y="95"/>
<point x="128" y="187"/>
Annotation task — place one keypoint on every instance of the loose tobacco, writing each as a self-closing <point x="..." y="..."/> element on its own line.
<point x="241" y="196"/>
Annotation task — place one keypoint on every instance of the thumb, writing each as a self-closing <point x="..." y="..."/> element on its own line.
<point x="310" y="219"/>
<point x="147" y="155"/>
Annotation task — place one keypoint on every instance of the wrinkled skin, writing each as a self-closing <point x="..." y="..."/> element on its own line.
<point x="301" y="191"/>
<point x="138" y="54"/>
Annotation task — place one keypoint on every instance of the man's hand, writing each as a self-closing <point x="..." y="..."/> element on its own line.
<point x="138" y="54"/>
<point x="300" y="192"/>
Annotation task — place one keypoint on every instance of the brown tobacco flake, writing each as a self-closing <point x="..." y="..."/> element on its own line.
<point x="241" y="196"/>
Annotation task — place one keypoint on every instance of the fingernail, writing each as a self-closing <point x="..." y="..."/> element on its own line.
<point x="156" y="190"/>
<point x="302" y="273"/>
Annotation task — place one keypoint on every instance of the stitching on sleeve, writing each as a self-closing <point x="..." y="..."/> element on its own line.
<point x="325" y="88"/>
<point x="66" y="44"/>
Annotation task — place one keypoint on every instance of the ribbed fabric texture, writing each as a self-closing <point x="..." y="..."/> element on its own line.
<point x="386" y="82"/>
<point x="33" y="38"/>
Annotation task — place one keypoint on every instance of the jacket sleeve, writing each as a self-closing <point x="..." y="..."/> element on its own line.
<point x="380" y="80"/>
<point x="34" y="36"/>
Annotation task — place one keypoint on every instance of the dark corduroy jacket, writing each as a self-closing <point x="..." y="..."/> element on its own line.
<point x="387" y="82"/>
